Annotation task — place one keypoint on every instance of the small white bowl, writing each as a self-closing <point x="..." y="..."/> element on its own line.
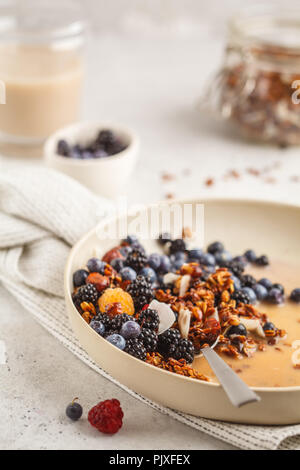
<point x="106" y="176"/>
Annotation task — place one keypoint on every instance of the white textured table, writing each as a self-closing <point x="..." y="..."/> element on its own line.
<point x="152" y="84"/>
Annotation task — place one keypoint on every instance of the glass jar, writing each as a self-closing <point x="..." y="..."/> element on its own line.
<point x="41" y="69"/>
<point x="257" y="87"/>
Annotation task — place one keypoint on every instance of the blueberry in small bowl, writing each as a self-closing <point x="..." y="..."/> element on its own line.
<point x="99" y="155"/>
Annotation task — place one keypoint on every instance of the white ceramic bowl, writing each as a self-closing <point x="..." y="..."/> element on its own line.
<point x="105" y="176"/>
<point x="266" y="226"/>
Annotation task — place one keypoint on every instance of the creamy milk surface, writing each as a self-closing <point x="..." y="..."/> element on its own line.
<point x="272" y="367"/>
<point x="43" y="88"/>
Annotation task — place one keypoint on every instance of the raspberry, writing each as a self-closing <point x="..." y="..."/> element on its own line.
<point x="106" y="416"/>
<point x="116" y="295"/>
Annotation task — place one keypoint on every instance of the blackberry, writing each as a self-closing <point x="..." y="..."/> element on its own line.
<point x="118" y="320"/>
<point x="236" y="267"/>
<point x="279" y="287"/>
<point x="168" y="342"/>
<point x="185" y="350"/>
<point x="262" y="260"/>
<point x="149" y="339"/>
<point x="177" y="245"/>
<point x="110" y="332"/>
<point x="105" y="319"/>
<point x="63" y="148"/>
<point x="136" y="259"/>
<point x="106" y="137"/>
<point x="247" y="280"/>
<point x="87" y="293"/>
<point x="141" y="292"/>
<point x="135" y="348"/>
<point x="149" y="319"/>
<point x="164" y="238"/>
<point x="240" y="297"/>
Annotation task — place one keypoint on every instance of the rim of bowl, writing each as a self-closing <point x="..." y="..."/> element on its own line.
<point x="68" y="273"/>
<point x="51" y="142"/>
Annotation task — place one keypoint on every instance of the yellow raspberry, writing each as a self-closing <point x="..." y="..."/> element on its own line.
<point x="111" y="296"/>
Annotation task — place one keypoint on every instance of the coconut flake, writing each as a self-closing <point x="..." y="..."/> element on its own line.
<point x="253" y="325"/>
<point x="165" y="313"/>
<point x="184" y="320"/>
<point x="215" y="315"/>
<point x="296" y="354"/>
<point x="184" y="284"/>
<point x="170" y="278"/>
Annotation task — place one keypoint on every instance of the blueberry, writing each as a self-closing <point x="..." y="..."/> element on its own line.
<point x="131" y="240"/>
<point x="165" y="264"/>
<point x="208" y="270"/>
<point x="75" y="152"/>
<point x="95" y="265"/>
<point x="251" y="294"/>
<point x="98" y="327"/>
<point x="216" y="247"/>
<point x="117" y="264"/>
<point x="268" y="326"/>
<point x="250" y="256"/>
<point x="275" y="296"/>
<point x="223" y="257"/>
<point x="164" y="238"/>
<point x="74" y="410"/>
<point x="179" y="255"/>
<point x="154" y="261"/>
<point x="295" y="295"/>
<point x="150" y="273"/>
<point x="138" y="246"/>
<point x="260" y="291"/>
<point x="100" y="153"/>
<point x="279" y="287"/>
<point x="117" y="340"/>
<point x="125" y="250"/>
<point x="86" y="155"/>
<point x="239" y="330"/>
<point x="63" y="148"/>
<point x="196" y="253"/>
<point x="130" y="329"/>
<point x="177" y="263"/>
<point x="236" y="282"/>
<point x="266" y="283"/>
<point x="79" y="277"/>
<point x="207" y="259"/>
<point x="128" y="274"/>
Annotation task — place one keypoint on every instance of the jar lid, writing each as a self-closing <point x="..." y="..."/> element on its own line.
<point x="41" y="21"/>
<point x="268" y="26"/>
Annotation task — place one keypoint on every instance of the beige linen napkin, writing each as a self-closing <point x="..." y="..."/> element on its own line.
<point x="42" y="213"/>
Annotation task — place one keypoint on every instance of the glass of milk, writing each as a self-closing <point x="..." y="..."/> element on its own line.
<point x="41" y="69"/>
